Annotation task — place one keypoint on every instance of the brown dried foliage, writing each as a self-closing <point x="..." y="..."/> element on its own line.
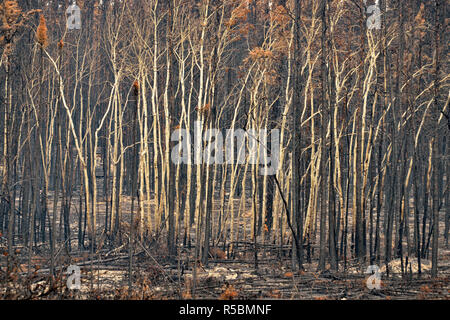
<point x="41" y="32"/>
<point x="229" y="293"/>
<point x="217" y="253"/>
<point x="136" y="87"/>
<point x="10" y="12"/>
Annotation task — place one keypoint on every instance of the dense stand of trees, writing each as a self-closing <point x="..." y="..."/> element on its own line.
<point x="87" y="118"/>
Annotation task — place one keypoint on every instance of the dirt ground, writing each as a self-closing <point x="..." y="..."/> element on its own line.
<point x="105" y="274"/>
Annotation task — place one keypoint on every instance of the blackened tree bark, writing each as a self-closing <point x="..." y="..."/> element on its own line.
<point x="296" y="128"/>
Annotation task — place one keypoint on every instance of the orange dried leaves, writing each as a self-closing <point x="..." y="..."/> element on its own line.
<point x="10" y="12"/>
<point x="260" y="53"/>
<point x="229" y="293"/>
<point x="136" y="87"/>
<point x="41" y="32"/>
